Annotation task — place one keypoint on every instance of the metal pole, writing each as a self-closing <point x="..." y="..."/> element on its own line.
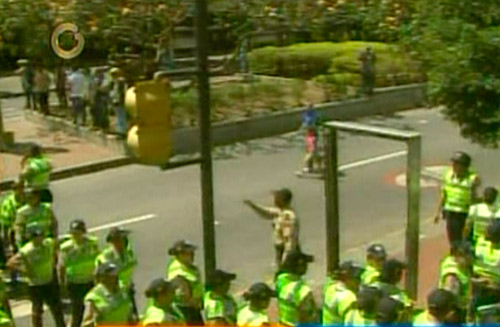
<point x="207" y="204"/>
<point x="413" y="222"/>
<point x="332" y="201"/>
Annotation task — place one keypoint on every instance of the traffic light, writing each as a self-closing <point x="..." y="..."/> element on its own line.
<point x="149" y="139"/>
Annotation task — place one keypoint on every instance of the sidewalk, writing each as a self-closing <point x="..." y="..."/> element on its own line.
<point x="64" y="150"/>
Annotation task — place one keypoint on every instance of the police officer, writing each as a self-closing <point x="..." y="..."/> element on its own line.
<point x="296" y="304"/>
<point x="219" y="307"/>
<point x="36" y="172"/>
<point x="12" y="202"/>
<point x="254" y="313"/>
<point x="108" y="303"/>
<point x="486" y="282"/>
<point x="38" y="257"/>
<point x="161" y="311"/>
<point x="457" y="195"/>
<point x="120" y="252"/>
<point x="6" y="319"/>
<point x="442" y="306"/>
<point x="78" y="256"/>
<point x="481" y="214"/>
<point x="375" y="258"/>
<point x="455" y="272"/>
<point x="186" y="276"/>
<point x="390" y="312"/>
<point x="340" y="293"/>
<point x="365" y="312"/>
<point x="390" y="278"/>
<point x="35" y="213"/>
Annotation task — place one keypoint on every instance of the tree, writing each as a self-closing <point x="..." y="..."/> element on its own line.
<point x="459" y="43"/>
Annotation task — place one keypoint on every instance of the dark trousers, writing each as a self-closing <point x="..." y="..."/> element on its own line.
<point x="43" y="98"/>
<point x="192" y="315"/>
<point x="77" y="294"/>
<point x="46" y="196"/>
<point x="78" y="110"/>
<point x="482" y="295"/>
<point x="50" y="295"/>
<point x="455" y="223"/>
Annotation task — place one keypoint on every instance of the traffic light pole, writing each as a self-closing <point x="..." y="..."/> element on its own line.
<point x="207" y="192"/>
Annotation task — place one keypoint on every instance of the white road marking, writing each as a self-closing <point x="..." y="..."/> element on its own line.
<point x="22" y="309"/>
<point x="368" y="161"/>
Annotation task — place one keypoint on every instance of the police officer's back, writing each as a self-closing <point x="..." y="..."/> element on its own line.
<point x="254" y="313"/>
<point x="365" y="311"/>
<point x="219" y="307"/>
<point x="375" y="258"/>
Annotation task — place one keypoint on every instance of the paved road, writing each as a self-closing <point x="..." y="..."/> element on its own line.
<point x="165" y="206"/>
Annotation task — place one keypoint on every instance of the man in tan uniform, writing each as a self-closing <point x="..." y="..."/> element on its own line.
<point x="285" y="222"/>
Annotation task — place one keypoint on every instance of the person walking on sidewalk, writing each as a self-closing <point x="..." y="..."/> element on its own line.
<point x="376" y="256"/>
<point x="36" y="169"/>
<point x="481" y="214"/>
<point x="285" y="223"/>
<point x="101" y="100"/>
<point x="458" y="193"/>
<point x="78" y="255"/>
<point x="254" y="314"/>
<point x="42" y="83"/>
<point x="340" y="293"/>
<point x="39" y="258"/>
<point x="27" y="73"/>
<point x="186" y="276"/>
<point x="219" y="307"/>
<point x="77" y="91"/>
<point x="296" y="304"/>
<point x="118" y="89"/>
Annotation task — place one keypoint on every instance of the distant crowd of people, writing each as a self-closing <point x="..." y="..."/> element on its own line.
<point x="99" y="91"/>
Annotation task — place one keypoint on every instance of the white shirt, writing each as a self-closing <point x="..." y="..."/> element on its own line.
<point x="77" y="85"/>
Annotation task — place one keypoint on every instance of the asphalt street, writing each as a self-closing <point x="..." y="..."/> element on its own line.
<point x="162" y="207"/>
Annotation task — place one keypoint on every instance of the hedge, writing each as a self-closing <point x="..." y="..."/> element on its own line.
<point x="335" y="63"/>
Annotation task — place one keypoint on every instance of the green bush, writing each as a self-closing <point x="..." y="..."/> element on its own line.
<point x="337" y="61"/>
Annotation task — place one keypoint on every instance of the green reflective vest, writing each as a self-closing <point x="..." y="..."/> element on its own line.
<point x="219" y="307"/>
<point x="449" y="266"/>
<point x="126" y="262"/>
<point x="251" y="318"/>
<point x="112" y="308"/>
<point x="370" y="275"/>
<point x="338" y="300"/>
<point x="79" y="259"/>
<point x="292" y="292"/>
<point x="191" y="274"/>
<point x="39" y="216"/>
<point x="424" y="319"/>
<point x="39" y="261"/>
<point x="8" y="210"/>
<point x="37" y="172"/>
<point x="458" y="191"/>
<point x="487" y="263"/>
<point x="481" y="215"/>
<point x="155" y="315"/>
<point x="357" y="318"/>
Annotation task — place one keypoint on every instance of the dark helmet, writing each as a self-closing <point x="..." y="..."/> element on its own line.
<point x="220" y="277"/>
<point x="350" y="269"/>
<point x="377" y="250"/>
<point x="259" y="291"/>
<point x="461" y="158"/>
<point x="181" y="246"/>
<point x="158" y="286"/>
<point x="107" y="269"/>
<point x="117" y="232"/>
<point x="77" y="225"/>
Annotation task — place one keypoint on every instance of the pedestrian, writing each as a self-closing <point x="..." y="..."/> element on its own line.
<point x="486" y="282"/>
<point x="118" y="89"/>
<point x="340" y="293"/>
<point x="39" y="259"/>
<point x="61" y="82"/>
<point x="455" y="273"/>
<point x="34" y="213"/>
<point x="442" y="308"/>
<point x="101" y="100"/>
<point x="77" y="265"/>
<point x="296" y="304"/>
<point x="120" y="253"/>
<point x="219" y="307"/>
<point x="161" y="310"/>
<point x="36" y="169"/>
<point x="27" y="73"/>
<point x="254" y="313"/>
<point x="390" y="280"/>
<point x="11" y="203"/>
<point x="376" y="256"/>
<point x="186" y="276"/>
<point x="365" y="312"/>
<point x="108" y="303"/>
<point x="285" y="222"/>
<point x="42" y="83"/>
<point x="390" y="312"/>
<point x="458" y="193"/>
<point x="77" y="91"/>
<point x="368" y="60"/>
<point x="481" y="214"/>
<point x="310" y="126"/>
